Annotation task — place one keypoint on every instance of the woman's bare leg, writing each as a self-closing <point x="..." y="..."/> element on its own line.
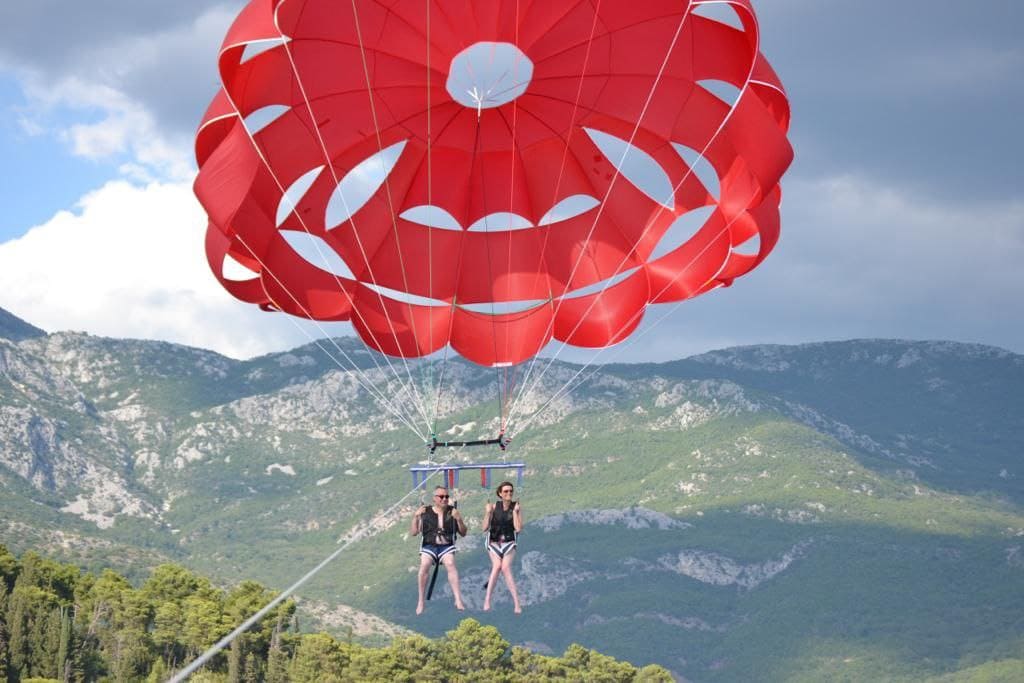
<point x="506" y="570"/>
<point x="492" y="579"/>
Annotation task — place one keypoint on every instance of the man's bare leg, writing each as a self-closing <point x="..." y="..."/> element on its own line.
<point x="426" y="562"/>
<point x="453" y="579"/>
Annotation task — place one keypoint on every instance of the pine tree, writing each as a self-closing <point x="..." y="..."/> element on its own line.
<point x="472" y="646"/>
<point x="79" y="653"/>
<point x="253" y="669"/>
<point x="4" y="640"/>
<point x="319" y="657"/>
<point x="46" y="658"/>
<point x="64" y="649"/>
<point x="8" y="567"/>
<point x="158" y="673"/>
<point x="235" y="661"/>
<point x="18" y="640"/>
<point x="277" y="658"/>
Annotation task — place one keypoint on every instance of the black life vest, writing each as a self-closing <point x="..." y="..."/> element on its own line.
<point x="428" y="525"/>
<point x="503" y="529"/>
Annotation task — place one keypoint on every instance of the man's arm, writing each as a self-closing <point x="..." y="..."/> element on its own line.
<point x="457" y="516"/>
<point x="414" y="528"/>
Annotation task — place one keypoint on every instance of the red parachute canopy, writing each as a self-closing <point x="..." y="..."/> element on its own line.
<point x="466" y="162"/>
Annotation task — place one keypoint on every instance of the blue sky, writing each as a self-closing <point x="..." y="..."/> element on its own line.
<point x="33" y="188"/>
<point x="903" y="212"/>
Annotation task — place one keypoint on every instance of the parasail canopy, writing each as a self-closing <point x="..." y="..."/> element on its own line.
<point x="489" y="175"/>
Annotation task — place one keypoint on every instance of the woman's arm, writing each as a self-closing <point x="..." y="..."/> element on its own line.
<point x="488" y="509"/>
<point x="517" y="517"/>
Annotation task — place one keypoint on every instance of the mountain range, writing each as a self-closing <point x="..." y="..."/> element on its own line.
<point x="813" y="512"/>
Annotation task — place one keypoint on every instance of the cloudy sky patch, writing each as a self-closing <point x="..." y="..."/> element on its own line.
<point x="902" y="216"/>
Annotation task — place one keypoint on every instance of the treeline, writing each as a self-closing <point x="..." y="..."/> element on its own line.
<point x="58" y="623"/>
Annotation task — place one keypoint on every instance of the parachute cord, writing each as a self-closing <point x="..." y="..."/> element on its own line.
<point x="387" y="189"/>
<point x="563" y="389"/>
<point x="437" y="398"/>
<point x="504" y="390"/>
<point x="504" y="400"/>
<point x="611" y="185"/>
<point x="626" y="325"/>
<point x="404" y="418"/>
<point x="686" y="267"/>
<point x="430" y="233"/>
<point x="419" y="402"/>
<point x="360" y="375"/>
<point x="509" y="389"/>
<point x="660" y="210"/>
<point x="507" y="392"/>
<point x="248" y="623"/>
<point x="490" y="273"/>
<point x="451" y="325"/>
<point x="625" y="153"/>
<point x="558" y="185"/>
<point x="302" y="222"/>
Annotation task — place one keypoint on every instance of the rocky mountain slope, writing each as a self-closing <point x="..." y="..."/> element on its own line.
<point x="816" y="511"/>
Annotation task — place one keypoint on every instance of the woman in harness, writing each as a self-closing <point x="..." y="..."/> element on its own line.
<point x="438" y="524"/>
<point x="503" y="522"/>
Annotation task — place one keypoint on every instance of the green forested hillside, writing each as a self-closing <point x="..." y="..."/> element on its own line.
<point x="828" y="511"/>
<point x="60" y="624"/>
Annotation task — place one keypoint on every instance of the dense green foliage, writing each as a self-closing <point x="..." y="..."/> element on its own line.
<point x="59" y="623"/>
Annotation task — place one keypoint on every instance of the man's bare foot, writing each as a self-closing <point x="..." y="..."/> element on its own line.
<point x="419" y="608"/>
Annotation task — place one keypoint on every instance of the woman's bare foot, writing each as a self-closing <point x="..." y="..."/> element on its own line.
<point x="518" y="609"/>
<point x="419" y="608"/>
<point x="487" y="605"/>
<point x="459" y="606"/>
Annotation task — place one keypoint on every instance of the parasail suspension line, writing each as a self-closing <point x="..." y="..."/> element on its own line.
<point x="302" y="222"/>
<point x="558" y="183"/>
<point x="360" y="375"/>
<point x="565" y="388"/>
<point x="650" y="222"/>
<point x="419" y="402"/>
<point x="391" y="205"/>
<point x="490" y="274"/>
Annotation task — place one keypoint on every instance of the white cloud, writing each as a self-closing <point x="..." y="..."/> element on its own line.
<point x="125" y="94"/>
<point x="124" y="127"/>
<point x="130" y="263"/>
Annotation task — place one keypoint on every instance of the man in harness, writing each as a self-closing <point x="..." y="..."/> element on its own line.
<point x="438" y="523"/>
